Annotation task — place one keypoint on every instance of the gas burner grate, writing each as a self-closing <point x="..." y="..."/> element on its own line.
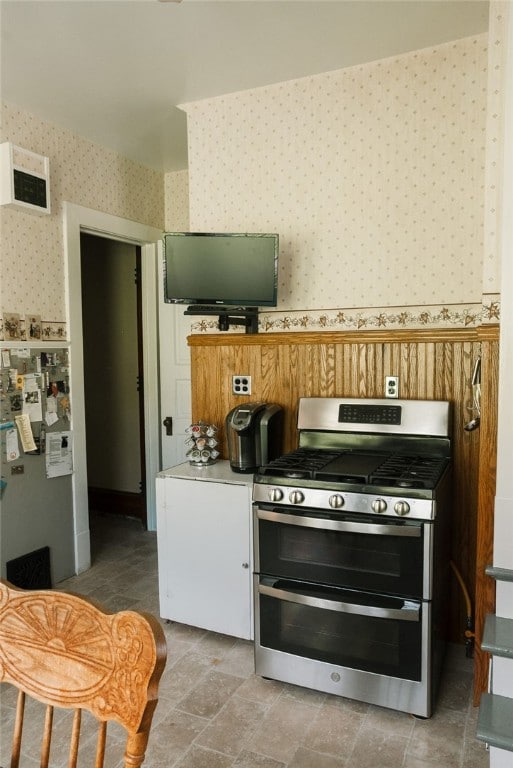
<point x="409" y="471"/>
<point x="358" y="467"/>
<point x="301" y="463"/>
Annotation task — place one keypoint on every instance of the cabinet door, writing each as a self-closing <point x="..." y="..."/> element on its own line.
<point x="204" y="554"/>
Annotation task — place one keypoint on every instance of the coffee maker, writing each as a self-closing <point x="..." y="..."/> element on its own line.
<point x="254" y="434"/>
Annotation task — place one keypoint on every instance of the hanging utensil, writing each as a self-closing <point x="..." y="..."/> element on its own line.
<point x="476" y="398"/>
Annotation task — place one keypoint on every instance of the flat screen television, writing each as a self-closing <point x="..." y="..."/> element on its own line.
<point x="202" y="268"/>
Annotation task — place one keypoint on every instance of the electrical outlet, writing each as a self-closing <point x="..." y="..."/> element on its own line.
<point x="241" y="384"/>
<point x="391" y="386"/>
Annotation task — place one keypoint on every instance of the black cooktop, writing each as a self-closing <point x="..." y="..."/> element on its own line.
<point x="400" y="470"/>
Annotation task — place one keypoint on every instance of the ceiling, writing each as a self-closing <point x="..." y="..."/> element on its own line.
<point x="115" y="71"/>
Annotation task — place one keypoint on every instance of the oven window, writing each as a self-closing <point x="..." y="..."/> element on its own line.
<point x="296" y="545"/>
<point x="385" y="646"/>
<point x="374" y="562"/>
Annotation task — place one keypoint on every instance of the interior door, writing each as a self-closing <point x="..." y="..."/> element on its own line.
<point x="175" y="377"/>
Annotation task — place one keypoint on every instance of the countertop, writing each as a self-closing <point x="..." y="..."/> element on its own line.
<point x="219" y="472"/>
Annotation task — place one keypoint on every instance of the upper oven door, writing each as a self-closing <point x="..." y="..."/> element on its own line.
<point x="358" y="552"/>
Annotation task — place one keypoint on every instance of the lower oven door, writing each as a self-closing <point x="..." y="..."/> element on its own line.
<point x="358" y="552"/>
<point x="362" y="646"/>
<point x="374" y="633"/>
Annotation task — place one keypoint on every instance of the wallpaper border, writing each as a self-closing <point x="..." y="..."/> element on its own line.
<point x="48" y="330"/>
<point x="355" y="319"/>
<point x="365" y="318"/>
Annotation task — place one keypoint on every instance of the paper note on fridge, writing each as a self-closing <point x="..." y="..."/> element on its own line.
<point x="59" y="455"/>
<point x="50" y="418"/>
<point x="11" y="444"/>
<point x="25" y="431"/>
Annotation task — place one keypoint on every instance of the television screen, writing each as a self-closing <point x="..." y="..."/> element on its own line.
<point x="225" y="269"/>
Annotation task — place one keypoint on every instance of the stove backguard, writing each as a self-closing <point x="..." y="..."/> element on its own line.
<point x="424" y="418"/>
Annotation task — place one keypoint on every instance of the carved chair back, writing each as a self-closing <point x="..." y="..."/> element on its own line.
<point x="65" y="651"/>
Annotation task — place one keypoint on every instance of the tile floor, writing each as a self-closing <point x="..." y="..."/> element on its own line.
<point x="213" y="712"/>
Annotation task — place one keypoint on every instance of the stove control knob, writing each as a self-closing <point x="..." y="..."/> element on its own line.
<point x="296" y="497"/>
<point x="401" y="508"/>
<point x="379" y="505"/>
<point x="275" y="494"/>
<point x="336" y="501"/>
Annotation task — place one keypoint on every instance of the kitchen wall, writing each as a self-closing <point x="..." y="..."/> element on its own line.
<point x="384" y="182"/>
<point x="36" y="511"/>
<point x="375" y="178"/>
<point x="176" y="214"/>
<point x="82" y="173"/>
<point x="378" y="178"/>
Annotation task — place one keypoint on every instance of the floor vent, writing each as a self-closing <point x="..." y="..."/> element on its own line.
<point x="30" y="571"/>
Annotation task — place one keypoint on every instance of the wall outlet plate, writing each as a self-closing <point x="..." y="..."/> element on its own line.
<point x="241" y="384"/>
<point x="392" y="386"/>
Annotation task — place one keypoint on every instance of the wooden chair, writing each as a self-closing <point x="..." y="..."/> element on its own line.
<point x="65" y="651"/>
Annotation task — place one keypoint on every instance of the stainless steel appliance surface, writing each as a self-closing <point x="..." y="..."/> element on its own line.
<point x="351" y="536"/>
<point x="254" y="434"/>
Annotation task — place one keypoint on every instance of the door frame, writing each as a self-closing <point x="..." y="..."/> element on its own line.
<point x="77" y="219"/>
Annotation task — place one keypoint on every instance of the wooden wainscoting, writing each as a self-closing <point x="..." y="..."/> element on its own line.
<point x="431" y="365"/>
<point x="484" y="595"/>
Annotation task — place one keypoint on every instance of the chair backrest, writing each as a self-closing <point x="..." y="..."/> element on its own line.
<point x="65" y="651"/>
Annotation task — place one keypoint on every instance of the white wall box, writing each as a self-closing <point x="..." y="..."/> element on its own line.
<point x="204" y="536"/>
<point x="24" y="179"/>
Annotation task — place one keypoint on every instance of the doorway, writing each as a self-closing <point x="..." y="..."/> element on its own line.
<point x="78" y="219"/>
<point x="113" y="376"/>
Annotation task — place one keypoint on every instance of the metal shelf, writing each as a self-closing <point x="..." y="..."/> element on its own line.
<point x="498" y="636"/>
<point x="494" y="722"/>
<point x="499" y="574"/>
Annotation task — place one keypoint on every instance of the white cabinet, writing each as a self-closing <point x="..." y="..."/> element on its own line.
<point x="204" y="536"/>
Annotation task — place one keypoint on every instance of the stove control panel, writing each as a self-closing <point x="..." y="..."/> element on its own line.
<point x="369" y="414"/>
<point x="344" y="502"/>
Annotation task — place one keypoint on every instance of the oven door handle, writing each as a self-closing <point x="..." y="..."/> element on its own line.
<point x="344" y="526"/>
<point x="409" y="611"/>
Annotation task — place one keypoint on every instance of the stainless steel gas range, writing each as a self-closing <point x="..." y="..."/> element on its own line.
<point x="351" y="534"/>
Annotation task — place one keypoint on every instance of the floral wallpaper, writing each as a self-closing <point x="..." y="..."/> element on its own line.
<point x="176" y="187"/>
<point x="32" y="261"/>
<point x="381" y="179"/>
<point x="374" y="176"/>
